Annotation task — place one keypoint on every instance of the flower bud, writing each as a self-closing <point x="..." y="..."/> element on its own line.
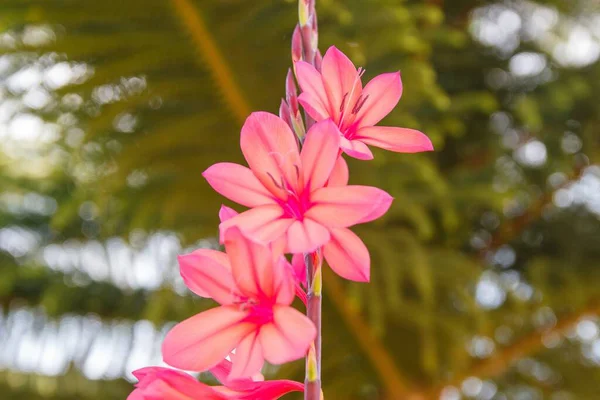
<point x="297" y="44"/>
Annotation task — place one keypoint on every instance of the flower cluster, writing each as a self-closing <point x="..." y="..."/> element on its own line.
<point x="298" y="203"/>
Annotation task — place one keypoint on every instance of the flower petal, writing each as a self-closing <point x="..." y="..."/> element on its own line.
<point x="341" y="207"/>
<point x="264" y="224"/>
<point x="284" y="281"/>
<point x="340" y="173"/>
<point x="313" y="107"/>
<point x="319" y="153"/>
<point x="202" y="341"/>
<point x="207" y="273"/>
<point x="299" y="268"/>
<point x="383" y="93"/>
<point x="222" y="372"/>
<point x="288" y="337"/>
<point x="226" y="213"/>
<point x="248" y="358"/>
<point x="356" y="149"/>
<point x="271" y="150"/>
<point x="251" y="264"/>
<point x="306" y="236"/>
<point x="313" y="97"/>
<point x="347" y="255"/>
<point x="238" y="184"/>
<point x="165" y="383"/>
<point x="271" y="390"/>
<point x="342" y="82"/>
<point x="401" y="140"/>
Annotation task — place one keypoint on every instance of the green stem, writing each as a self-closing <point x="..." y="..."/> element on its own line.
<point x="312" y="389"/>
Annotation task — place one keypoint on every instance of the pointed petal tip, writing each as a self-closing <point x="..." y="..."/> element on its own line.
<point x="333" y="49"/>
<point x="226" y="213"/>
<point x="363" y="156"/>
<point x="364" y="277"/>
<point x="428" y="146"/>
<point x="425" y="145"/>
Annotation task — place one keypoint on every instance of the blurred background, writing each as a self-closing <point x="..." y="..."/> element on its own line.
<point x="485" y="273"/>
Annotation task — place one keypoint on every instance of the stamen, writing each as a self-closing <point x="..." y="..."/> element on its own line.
<point x="343" y="102"/>
<point x="275" y="182"/>
<point x="359" y="104"/>
<point x="357" y="80"/>
<point x="297" y="168"/>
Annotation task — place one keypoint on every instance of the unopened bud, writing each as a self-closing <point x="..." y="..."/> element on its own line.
<point x="298" y="126"/>
<point x="304" y="11"/>
<point x="291" y="93"/>
<point x="318" y="60"/>
<point x="284" y="114"/>
<point x="314" y="33"/>
<point x="297" y="44"/>
<point x="312" y="368"/>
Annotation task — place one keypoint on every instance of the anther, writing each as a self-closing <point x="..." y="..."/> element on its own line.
<point x="343" y="102"/>
<point x="359" y="104"/>
<point x="280" y="186"/>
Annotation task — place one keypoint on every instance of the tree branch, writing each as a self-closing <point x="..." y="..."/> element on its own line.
<point x="212" y="57"/>
<point x="527" y="345"/>
<point x="396" y="386"/>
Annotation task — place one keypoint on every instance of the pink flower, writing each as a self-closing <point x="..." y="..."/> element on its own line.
<point x="156" y="383"/>
<point x="337" y="93"/>
<point x="299" y="199"/>
<point x="255" y="288"/>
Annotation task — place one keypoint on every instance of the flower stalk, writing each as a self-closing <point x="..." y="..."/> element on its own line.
<point x="305" y="47"/>
<point x="312" y="382"/>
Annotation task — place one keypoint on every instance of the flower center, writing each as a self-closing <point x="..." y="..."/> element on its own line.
<point x="259" y="313"/>
<point x="296" y="205"/>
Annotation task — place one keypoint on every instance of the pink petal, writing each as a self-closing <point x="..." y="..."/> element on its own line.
<point x="271" y="150"/>
<point x="313" y="97"/>
<point x="222" y="370"/>
<point x="401" y="140"/>
<point x="168" y="384"/>
<point x="313" y="107"/>
<point x="319" y="153"/>
<point x="301" y="294"/>
<point x="202" y="341"/>
<point x="284" y="281"/>
<point x="271" y="390"/>
<point x="341" y="81"/>
<point x="238" y="184"/>
<point x="284" y="113"/>
<point x="356" y="149"/>
<point x="347" y="255"/>
<point x="264" y="223"/>
<point x="208" y="274"/>
<point x="341" y="207"/>
<point x="222" y="373"/>
<point x="384" y="92"/>
<point x="248" y="358"/>
<point x="226" y="213"/>
<point x="306" y="236"/>
<point x="288" y="337"/>
<point x="299" y="268"/>
<point x="251" y="264"/>
<point x="340" y="174"/>
<point x="279" y="246"/>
